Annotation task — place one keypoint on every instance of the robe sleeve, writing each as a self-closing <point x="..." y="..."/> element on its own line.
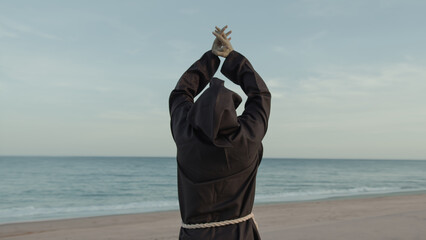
<point x="254" y="119"/>
<point x="193" y="81"/>
<point x="190" y="84"/>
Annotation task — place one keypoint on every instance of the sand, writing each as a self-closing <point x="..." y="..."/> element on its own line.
<point x="390" y="217"/>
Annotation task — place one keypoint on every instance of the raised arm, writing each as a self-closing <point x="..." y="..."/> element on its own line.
<point x="193" y="82"/>
<point x="254" y="119"/>
<point x="198" y="75"/>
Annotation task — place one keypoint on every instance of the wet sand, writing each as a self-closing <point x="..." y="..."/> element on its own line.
<point x="389" y="217"/>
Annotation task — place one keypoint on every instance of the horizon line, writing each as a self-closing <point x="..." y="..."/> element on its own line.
<point x="284" y="158"/>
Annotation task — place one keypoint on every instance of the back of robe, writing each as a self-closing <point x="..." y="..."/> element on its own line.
<point x="218" y="152"/>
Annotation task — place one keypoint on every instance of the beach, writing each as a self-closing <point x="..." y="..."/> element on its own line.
<point x="378" y="217"/>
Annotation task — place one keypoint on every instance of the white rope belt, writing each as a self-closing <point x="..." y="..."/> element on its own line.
<point x="219" y="224"/>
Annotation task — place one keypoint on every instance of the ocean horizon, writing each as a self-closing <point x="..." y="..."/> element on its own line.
<point x="36" y="188"/>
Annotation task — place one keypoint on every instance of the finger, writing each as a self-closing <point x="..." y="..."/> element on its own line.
<point x="229" y="39"/>
<point x="221" y="31"/>
<point x="218" y="30"/>
<point x="218" y="36"/>
<point x="225" y="36"/>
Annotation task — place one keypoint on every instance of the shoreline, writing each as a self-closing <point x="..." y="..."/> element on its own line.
<point x="379" y="217"/>
<point x="334" y="198"/>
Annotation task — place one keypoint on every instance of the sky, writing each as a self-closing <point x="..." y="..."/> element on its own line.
<point x="86" y="78"/>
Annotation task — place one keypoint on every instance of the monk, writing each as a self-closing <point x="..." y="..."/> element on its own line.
<point x="218" y="152"/>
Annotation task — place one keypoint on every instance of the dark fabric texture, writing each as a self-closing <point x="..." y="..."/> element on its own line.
<point x="218" y="152"/>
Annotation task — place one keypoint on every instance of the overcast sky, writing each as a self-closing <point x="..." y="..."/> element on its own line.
<point x="348" y="78"/>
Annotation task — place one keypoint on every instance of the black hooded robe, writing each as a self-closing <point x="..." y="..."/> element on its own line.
<point x="218" y="152"/>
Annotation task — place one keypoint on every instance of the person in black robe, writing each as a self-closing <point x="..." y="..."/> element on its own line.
<point x="218" y="152"/>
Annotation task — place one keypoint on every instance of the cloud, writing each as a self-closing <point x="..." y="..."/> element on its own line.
<point x="277" y="87"/>
<point x="12" y="29"/>
<point x="28" y="68"/>
<point x="335" y="82"/>
<point x="352" y="112"/>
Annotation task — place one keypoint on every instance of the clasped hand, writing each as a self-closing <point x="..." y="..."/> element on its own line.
<point x="222" y="44"/>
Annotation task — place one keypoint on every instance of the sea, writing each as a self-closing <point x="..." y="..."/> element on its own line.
<point x="41" y="188"/>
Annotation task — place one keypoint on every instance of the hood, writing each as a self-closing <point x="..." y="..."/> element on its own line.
<point x="214" y="113"/>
